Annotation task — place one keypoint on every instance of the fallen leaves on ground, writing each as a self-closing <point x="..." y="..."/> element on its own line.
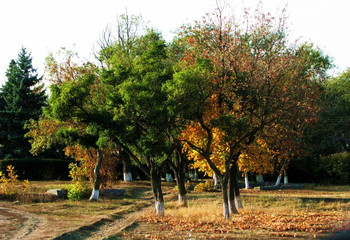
<point x="292" y="224"/>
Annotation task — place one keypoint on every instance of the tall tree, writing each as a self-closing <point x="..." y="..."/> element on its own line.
<point x="23" y="97"/>
<point x="332" y="135"/>
<point x="135" y="77"/>
<point x="245" y="79"/>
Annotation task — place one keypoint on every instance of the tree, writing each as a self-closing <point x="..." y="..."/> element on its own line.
<point x="43" y="134"/>
<point x="76" y="114"/>
<point x="81" y="101"/>
<point x="246" y="79"/>
<point x="331" y="135"/>
<point x="329" y="139"/>
<point x="135" y="78"/>
<point x="23" y="97"/>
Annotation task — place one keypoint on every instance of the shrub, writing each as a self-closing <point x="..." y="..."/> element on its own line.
<point x="338" y="167"/>
<point x="9" y="182"/>
<point x="207" y="186"/>
<point x="78" y="191"/>
<point x="188" y="187"/>
<point x="78" y="173"/>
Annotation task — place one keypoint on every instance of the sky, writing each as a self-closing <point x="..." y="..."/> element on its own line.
<point x="44" y="26"/>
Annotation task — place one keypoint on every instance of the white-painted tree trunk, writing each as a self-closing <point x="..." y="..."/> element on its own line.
<point x="238" y="202"/>
<point x="127" y="177"/>
<point x="195" y="176"/>
<point x="94" y="195"/>
<point x="260" y="178"/>
<point x="169" y="177"/>
<point x="285" y="178"/>
<point x="278" y="181"/>
<point x="216" y="180"/>
<point x="182" y="200"/>
<point x="246" y="181"/>
<point x="226" y="210"/>
<point x="159" y="208"/>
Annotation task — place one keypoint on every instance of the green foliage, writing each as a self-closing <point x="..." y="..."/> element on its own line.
<point x="22" y="98"/>
<point x="136" y="94"/>
<point x="78" y="191"/>
<point x="78" y="173"/>
<point x="332" y="134"/>
<point x="188" y="90"/>
<point x="338" y="167"/>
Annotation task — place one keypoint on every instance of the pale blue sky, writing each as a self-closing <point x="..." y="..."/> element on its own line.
<point x="43" y="26"/>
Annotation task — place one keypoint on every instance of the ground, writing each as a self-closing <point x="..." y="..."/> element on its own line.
<point x="312" y="212"/>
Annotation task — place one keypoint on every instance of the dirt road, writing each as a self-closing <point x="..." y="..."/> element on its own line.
<point x="16" y="224"/>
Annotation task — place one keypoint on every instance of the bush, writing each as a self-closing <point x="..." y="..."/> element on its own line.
<point x="9" y="184"/>
<point x="338" y="167"/>
<point x="78" y="191"/>
<point x="188" y="187"/>
<point x="207" y="186"/>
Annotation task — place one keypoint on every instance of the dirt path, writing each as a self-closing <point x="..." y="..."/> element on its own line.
<point x="58" y="221"/>
<point x="119" y="225"/>
<point x="105" y="227"/>
<point x="23" y="225"/>
<point x="30" y="226"/>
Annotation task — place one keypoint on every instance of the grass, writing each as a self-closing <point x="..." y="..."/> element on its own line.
<point x="267" y="214"/>
<point x="281" y="214"/>
<point x="72" y="216"/>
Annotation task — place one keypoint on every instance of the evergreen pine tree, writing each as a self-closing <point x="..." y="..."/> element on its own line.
<point x="21" y="99"/>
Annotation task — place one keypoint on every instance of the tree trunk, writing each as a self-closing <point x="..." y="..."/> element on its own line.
<point x="234" y="188"/>
<point x="169" y="177"/>
<point x="97" y="182"/>
<point x="246" y="181"/>
<point x="195" y="175"/>
<point x="180" y="182"/>
<point x="226" y="204"/>
<point x="231" y="191"/>
<point x="278" y="181"/>
<point x="285" y="176"/>
<point x="178" y="167"/>
<point x="260" y="178"/>
<point x="127" y="175"/>
<point x="157" y="190"/>
<point x="216" y="180"/>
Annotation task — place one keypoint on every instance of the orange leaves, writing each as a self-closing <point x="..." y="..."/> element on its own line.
<point x="293" y="223"/>
<point x="257" y="158"/>
<point x="195" y="134"/>
<point x="88" y="158"/>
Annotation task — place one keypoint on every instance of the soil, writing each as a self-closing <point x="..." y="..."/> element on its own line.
<point x="45" y="222"/>
<point x="31" y="226"/>
<point x="24" y="225"/>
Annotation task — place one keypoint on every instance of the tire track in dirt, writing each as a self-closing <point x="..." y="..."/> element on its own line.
<point x="119" y="225"/>
<point x="105" y="227"/>
<point x="24" y="225"/>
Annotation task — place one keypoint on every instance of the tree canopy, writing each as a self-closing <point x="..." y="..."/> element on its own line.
<point x="22" y="98"/>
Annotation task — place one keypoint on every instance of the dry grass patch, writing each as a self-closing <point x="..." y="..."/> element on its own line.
<point x="264" y="216"/>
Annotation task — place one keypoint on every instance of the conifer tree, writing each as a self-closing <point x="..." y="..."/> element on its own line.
<point x="22" y="97"/>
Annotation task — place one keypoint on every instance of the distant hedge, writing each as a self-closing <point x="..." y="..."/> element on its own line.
<point x="337" y="167"/>
<point x="38" y="168"/>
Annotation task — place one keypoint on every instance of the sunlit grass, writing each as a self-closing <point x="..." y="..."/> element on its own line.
<point x="293" y="213"/>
